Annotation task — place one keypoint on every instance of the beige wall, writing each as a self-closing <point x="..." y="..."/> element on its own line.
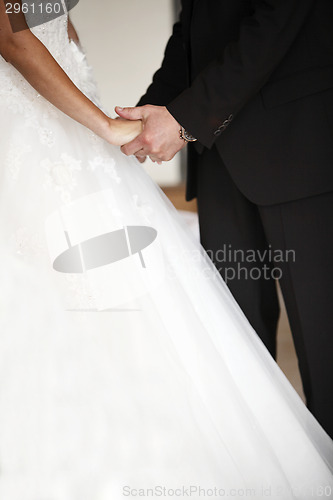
<point x="125" y="41"/>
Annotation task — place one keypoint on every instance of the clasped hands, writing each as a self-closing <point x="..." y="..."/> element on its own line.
<point x="159" y="139"/>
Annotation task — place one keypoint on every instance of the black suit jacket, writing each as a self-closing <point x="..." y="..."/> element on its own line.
<point x="255" y="78"/>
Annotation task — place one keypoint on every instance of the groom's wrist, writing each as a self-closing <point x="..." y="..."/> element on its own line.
<point x="186" y="136"/>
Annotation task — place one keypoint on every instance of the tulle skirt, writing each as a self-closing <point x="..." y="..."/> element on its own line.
<point x="126" y="367"/>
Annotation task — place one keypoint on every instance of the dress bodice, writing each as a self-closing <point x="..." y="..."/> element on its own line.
<point x="53" y="34"/>
<point x="16" y="92"/>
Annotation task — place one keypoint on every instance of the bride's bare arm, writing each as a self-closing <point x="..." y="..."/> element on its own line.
<point x="29" y="56"/>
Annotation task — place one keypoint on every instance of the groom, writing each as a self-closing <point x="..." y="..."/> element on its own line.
<point x="248" y="85"/>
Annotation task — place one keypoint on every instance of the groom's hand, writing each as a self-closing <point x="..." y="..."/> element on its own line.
<point x="160" y="137"/>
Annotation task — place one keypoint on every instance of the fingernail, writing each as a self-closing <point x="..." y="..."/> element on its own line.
<point x="120" y="108"/>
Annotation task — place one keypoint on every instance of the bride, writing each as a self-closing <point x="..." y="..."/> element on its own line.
<point x="126" y="367"/>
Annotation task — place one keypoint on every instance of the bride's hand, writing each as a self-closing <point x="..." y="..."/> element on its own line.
<point x="123" y="131"/>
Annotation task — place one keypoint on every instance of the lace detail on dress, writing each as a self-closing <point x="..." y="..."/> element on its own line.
<point x="27" y="244"/>
<point x="20" y="97"/>
<point x="61" y="175"/>
<point x="14" y="160"/>
<point x="46" y="136"/>
<point x="145" y="209"/>
<point x="106" y="165"/>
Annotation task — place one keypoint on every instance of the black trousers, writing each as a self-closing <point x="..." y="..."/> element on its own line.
<point x="252" y="246"/>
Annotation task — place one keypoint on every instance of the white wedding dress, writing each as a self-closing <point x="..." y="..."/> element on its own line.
<point x="126" y="367"/>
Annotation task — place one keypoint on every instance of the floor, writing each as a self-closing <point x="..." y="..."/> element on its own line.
<point x="286" y="353"/>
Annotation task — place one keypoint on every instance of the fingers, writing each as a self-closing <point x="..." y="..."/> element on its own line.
<point x="130" y="113"/>
<point x="154" y="159"/>
<point x="160" y="133"/>
<point x="141" y="159"/>
<point x="133" y="147"/>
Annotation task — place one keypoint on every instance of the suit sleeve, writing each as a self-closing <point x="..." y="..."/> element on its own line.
<point x="172" y="78"/>
<point x="218" y="93"/>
